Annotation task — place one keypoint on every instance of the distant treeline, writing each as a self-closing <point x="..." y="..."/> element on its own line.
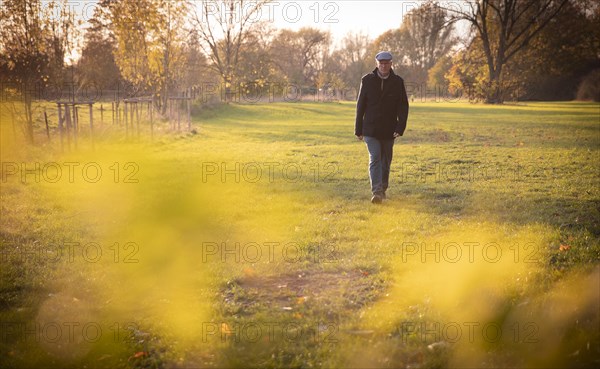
<point x="491" y="50"/>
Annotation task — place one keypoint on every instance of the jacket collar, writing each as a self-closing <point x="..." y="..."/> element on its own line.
<point x="377" y="75"/>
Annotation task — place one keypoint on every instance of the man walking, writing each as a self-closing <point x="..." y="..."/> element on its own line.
<point x="381" y="114"/>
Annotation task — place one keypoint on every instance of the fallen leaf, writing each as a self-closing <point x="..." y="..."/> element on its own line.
<point x="564" y="247"/>
<point x="301" y="300"/>
<point x="438" y="345"/>
<point x="225" y="329"/>
<point x="138" y="355"/>
<point x="249" y="273"/>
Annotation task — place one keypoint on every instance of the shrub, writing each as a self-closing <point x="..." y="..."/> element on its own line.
<point x="589" y="88"/>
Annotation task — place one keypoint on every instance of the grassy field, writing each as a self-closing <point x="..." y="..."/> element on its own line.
<point x="251" y="242"/>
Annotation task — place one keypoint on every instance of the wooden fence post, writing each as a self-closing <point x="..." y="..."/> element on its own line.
<point x="60" y="126"/>
<point x="75" y="125"/>
<point x="92" y="125"/>
<point x="178" y="116"/>
<point x="47" y="128"/>
<point x="68" y="121"/>
<point x="189" y="114"/>
<point x="137" y="118"/>
<point x="151" y="108"/>
<point x="131" y="118"/>
<point x="125" y="119"/>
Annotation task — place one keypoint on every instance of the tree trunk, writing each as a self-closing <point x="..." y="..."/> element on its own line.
<point x="164" y="102"/>
<point x="493" y="93"/>
<point x="28" y="129"/>
<point x="494" y="90"/>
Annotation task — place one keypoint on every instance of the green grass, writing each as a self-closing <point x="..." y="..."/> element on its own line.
<point x="253" y="243"/>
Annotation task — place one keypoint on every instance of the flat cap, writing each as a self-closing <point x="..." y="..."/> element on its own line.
<point x="383" y="55"/>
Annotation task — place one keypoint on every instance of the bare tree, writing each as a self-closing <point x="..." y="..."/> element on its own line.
<point x="354" y="58"/>
<point x="428" y="35"/>
<point x="505" y="28"/>
<point x="304" y="53"/>
<point x="223" y="26"/>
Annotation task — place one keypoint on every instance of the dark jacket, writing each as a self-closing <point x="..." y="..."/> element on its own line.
<point x="381" y="111"/>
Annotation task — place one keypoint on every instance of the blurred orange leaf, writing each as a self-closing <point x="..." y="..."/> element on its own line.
<point x="301" y="300"/>
<point x="225" y="329"/>
<point x="249" y="273"/>
<point x="564" y="247"/>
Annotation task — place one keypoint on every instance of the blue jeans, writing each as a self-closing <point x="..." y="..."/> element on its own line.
<point x="380" y="160"/>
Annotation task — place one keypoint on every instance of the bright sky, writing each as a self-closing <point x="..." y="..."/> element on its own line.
<point x="339" y="17"/>
<point x="371" y="17"/>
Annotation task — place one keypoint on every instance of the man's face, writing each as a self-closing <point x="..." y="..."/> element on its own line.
<point x="384" y="66"/>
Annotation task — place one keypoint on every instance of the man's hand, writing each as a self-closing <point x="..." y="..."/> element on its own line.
<point x="396" y="134"/>
<point x="360" y="138"/>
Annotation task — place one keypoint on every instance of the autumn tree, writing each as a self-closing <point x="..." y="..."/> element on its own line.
<point x="467" y="75"/>
<point x="97" y="68"/>
<point x="557" y="59"/>
<point x="436" y="77"/>
<point x="133" y="23"/>
<point x="425" y="36"/>
<point x="256" y="70"/>
<point x="505" y="28"/>
<point x="150" y="37"/>
<point x="35" y="36"/>
<point x="550" y="67"/>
